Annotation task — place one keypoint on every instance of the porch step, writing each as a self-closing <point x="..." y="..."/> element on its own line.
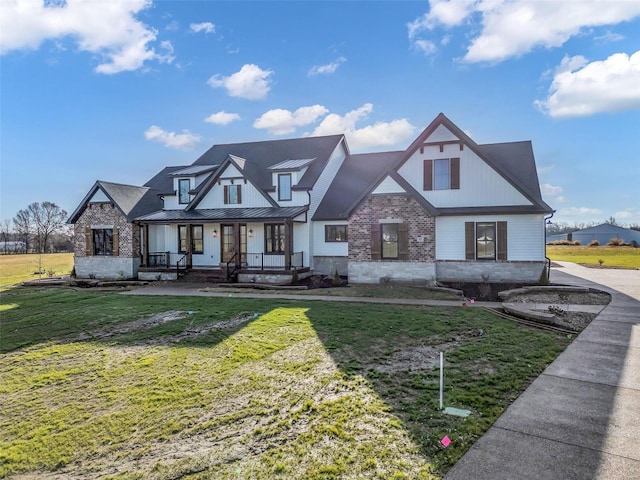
<point x="203" y="276"/>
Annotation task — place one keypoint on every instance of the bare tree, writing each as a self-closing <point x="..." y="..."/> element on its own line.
<point x="5" y="233"/>
<point x="24" y="226"/>
<point x="48" y="218"/>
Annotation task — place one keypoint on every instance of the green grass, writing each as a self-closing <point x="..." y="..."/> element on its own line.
<point x="18" y="268"/>
<point x="622" y="257"/>
<point x="301" y="390"/>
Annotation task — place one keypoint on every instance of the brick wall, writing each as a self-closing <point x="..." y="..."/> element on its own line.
<point x="392" y="206"/>
<point x="126" y="264"/>
<point x="106" y="214"/>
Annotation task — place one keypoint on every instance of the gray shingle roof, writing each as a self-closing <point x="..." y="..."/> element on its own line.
<point x="259" y="156"/>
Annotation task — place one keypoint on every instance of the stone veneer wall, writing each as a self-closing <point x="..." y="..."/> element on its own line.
<point x="491" y="272"/>
<point x="421" y="254"/>
<point x="323" y="265"/>
<point x="108" y="267"/>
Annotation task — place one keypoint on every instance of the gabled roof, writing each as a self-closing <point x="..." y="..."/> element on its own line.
<point x="361" y="174"/>
<point x="193" y="170"/>
<point x="260" y="156"/>
<point x="124" y="197"/>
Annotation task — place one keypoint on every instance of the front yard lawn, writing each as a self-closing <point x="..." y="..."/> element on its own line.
<point x="102" y="385"/>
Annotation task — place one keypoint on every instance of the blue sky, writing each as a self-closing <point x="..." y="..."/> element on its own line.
<point x="117" y="90"/>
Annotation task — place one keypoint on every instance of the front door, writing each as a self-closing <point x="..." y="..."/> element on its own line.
<point x="234" y="240"/>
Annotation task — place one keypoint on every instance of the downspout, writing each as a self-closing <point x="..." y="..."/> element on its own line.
<point x="547" y="220"/>
<point x="310" y="228"/>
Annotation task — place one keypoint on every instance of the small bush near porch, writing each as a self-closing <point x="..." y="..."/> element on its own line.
<point x="104" y="385"/>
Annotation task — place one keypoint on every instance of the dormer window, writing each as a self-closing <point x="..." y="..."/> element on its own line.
<point x="184" y="185"/>
<point x="284" y="187"/>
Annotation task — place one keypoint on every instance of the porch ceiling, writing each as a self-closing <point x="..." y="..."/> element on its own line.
<point x="215" y="215"/>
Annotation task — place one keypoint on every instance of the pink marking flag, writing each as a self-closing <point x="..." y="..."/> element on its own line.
<point x="445" y="441"/>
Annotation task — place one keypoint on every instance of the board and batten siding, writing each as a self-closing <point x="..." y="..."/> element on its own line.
<point x="480" y="185"/>
<point x="387" y="186"/>
<point x="250" y="196"/>
<point x="525" y="236"/>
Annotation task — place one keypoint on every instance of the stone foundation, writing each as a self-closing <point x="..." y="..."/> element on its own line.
<point x="328" y="265"/>
<point x="153" y="276"/>
<point x="494" y="272"/>
<point x="373" y="272"/>
<point x="107" y="267"/>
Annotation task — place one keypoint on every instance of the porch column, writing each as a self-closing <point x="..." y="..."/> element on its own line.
<point x="189" y="259"/>
<point x="288" y="243"/>
<point x="237" y="244"/>
<point x="145" y="244"/>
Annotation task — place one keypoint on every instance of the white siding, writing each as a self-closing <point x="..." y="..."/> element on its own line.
<point x="298" y="198"/>
<point x="441" y="134"/>
<point x="211" y="247"/>
<point x="99" y="197"/>
<point x="171" y="203"/>
<point x="329" y="249"/>
<point x="251" y="196"/>
<point x="525" y="236"/>
<point x="480" y="184"/>
<point x="388" y="185"/>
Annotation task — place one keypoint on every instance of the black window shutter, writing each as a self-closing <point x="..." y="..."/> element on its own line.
<point x="116" y="242"/>
<point x="428" y="175"/>
<point x="375" y="241"/>
<point x="455" y="174"/>
<point x="226" y="194"/>
<point x="403" y="241"/>
<point x="469" y="240"/>
<point x="502" y="241"/>
<point x="88" y="242"/>
<point x="239" y="194"/>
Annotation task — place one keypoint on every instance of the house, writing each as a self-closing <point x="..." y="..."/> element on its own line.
<point x="445" y="209"/>
<point x="602" y="233"/>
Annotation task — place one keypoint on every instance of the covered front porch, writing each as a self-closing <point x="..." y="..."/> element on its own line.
<point x="241" y="246"/>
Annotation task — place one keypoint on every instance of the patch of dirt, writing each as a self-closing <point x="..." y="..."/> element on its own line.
<point x="140" y="324"/>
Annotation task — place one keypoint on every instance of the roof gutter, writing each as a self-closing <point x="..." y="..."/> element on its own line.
<point x="547" y="220"/>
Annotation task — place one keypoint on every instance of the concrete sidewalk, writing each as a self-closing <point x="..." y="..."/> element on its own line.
<point x="581" y="418"/>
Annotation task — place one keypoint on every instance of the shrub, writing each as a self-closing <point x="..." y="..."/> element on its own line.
<point x="616" y="242"/>
<point x="634" y="244"/>
<point x="576" y="242"/>
<point x="594" y="243"/>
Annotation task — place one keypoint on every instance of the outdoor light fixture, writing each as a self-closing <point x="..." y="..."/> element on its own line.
<point x="251" y="232"/>
<point x="215" y="233"/>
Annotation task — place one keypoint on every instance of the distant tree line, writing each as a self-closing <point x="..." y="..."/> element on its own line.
<point x="38" y="228"/>
<point x="558" y="228"/>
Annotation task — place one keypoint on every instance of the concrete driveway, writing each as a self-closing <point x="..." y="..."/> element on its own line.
<point x="581" y="418"/>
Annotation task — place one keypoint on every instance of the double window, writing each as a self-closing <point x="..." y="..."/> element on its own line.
<point x="197" y="239"/>
<point x="442" y="174"/>
<point x="486" y="240"/>
<point x="232" y="194"/>
<point x="102" y="239"/>
<point x="274" y="238"/>
<point x="184" y="185"/>
<point x="284" y="187"/>
<point x="335" y="233"/>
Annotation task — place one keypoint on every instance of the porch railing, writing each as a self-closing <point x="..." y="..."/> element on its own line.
<point x="159" y="259"/>
<point x="265" y="261"/>
<point x="181" y="264"/>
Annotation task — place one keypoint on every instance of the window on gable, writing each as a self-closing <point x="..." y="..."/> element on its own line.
<point x="184" y="185"/>
<point x="102" y="241"/>
<point x="442" y="174"/>
<point x="274" y="238"/>
<point x="232" y="194"/>
<point x="284" y="187"/>
<point x="335" y="233"/>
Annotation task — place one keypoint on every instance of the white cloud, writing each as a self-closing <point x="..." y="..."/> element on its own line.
<point x="326" y="69"/>
<point x="628" y="215"/>
<point x="546" y="169"/>
<point x="549" y="190"/>
<point x="425" y="46"/>
<point x="510" y="28"/>
<point x="222" y="118"/>
<point x="580" y="88"/>
<point x="107" y="29"/>
<point x="180" y="141"/>
<point x="579" y="212"/>
<point x="251" y="82"/>
<point x="378" y="134"/>
<point x="280" y="122"/>
<point x="206" y="27"/>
